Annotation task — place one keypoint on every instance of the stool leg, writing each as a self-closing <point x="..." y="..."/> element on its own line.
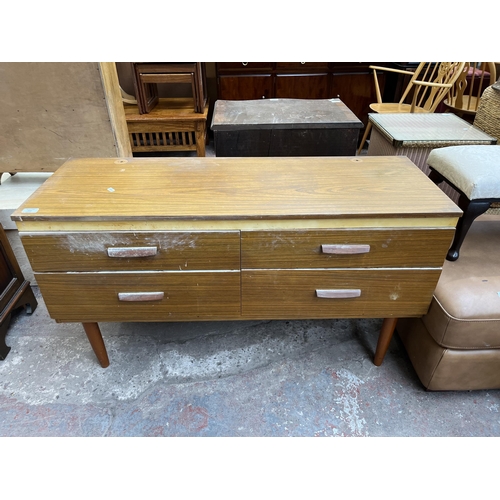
<point x="435" y="176"/>
<point x="472" y="210"/>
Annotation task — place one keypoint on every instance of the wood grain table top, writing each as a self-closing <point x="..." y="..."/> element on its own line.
<point x="103" y="189"/>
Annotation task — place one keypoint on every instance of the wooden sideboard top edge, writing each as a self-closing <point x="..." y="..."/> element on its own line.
<point x="245" y="189"/>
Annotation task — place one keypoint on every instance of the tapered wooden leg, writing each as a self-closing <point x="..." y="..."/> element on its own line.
<point x="95" y="338"/>
<point x="384" y="339"/>
<point x="365" y="136"/>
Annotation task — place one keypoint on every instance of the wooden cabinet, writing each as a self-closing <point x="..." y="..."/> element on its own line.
<point x="169" y="239"/>
<point x="15" y="291"/>
<point x="351" y="82"/>
<point x="249" y="86"/>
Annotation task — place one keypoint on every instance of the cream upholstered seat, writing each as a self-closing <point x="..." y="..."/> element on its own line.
<point x="474" y="171"/>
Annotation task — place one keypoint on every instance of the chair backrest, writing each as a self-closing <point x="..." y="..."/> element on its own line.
<point x="465" y="94"/>
<point x="488" y="113"/>
<point x="431" y="83"/>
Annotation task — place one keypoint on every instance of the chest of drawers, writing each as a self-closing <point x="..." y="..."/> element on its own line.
<point x="186" y="239"/>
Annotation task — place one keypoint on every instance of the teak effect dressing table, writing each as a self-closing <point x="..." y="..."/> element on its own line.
<point x="187" y="239"/>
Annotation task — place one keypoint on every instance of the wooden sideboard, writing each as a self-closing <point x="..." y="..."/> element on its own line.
<point x="187" y="239"/>
<point x="352" y="82"/>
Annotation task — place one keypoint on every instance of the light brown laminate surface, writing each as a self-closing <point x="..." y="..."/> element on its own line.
<point x="172" y="251"/>
<point x="236" y="188"/>
<point x="289" y="294"/>
<point x="188" y="296"/>
<point x="304" y="249"/>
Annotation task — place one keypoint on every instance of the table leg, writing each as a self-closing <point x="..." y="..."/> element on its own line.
<point x="200" y="133"/>
<point x="384" y="339"/>
<point x="95" y="338"/>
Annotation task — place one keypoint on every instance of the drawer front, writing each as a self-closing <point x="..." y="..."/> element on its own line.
<point x="100" y="251"/>
<point x="169" y="296"/>
<point x="303" y="86"/>
<point x="336" y="294"/>
<point x="344" y="248"/>
<point x="302" y="66"/>
<point x="239" y="66"/>
<point x="245" y="87"/>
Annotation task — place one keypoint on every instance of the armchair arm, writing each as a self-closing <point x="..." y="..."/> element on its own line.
<point x="381" y="68"/>
<point x="432" y="84"/>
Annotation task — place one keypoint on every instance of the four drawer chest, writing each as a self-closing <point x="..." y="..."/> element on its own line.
<point x="188" y="239"/>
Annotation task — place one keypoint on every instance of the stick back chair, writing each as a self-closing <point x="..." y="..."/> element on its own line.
<point x="429" y="84"/>
<point x="465" y="95"/>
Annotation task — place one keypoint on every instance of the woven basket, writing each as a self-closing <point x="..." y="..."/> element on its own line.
<point x="488" y="120"/>
<point x="488" y="113"/>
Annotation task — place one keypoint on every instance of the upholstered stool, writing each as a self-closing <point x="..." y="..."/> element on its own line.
<point x="474" y="171"/>
<point x="456" y="345"/>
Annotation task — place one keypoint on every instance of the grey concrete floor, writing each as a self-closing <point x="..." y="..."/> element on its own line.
<point x="261" y="378"/>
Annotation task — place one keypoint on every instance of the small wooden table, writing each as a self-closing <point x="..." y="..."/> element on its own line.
<point x="285" y="127"/>
<point x="189" y="239"/>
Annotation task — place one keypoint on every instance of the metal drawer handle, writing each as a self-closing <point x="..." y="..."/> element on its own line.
<point x="140" y="296"/>
<point x="132" y="251"/>
<point x="338" y="294"/>
<point x="244" y="64"/>
<point x="345" y="249"/>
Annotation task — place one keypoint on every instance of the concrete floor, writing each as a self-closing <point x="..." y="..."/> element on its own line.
<point x="261" y="378"/>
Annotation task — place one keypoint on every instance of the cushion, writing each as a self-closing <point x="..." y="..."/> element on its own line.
<point x="474" y="170"/>
<point x="465" y="310"/>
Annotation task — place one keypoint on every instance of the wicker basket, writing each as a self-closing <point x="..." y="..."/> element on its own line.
<point x="488" y="114"/>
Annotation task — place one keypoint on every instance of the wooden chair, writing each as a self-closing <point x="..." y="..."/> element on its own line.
<point x="465" y="95"/>
<point x="429" y="84"/>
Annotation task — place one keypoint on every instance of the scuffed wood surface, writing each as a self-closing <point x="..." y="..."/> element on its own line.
<point x="101" y="189"/>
